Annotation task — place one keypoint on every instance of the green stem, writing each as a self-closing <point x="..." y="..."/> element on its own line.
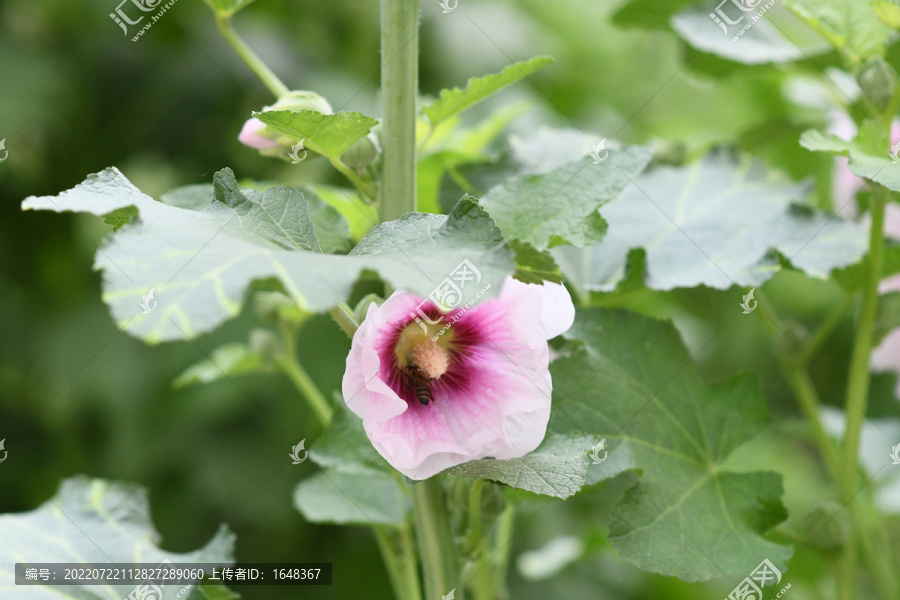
<point x="399" y="89"/>
<point x="502" y="548"/>
<point x="265" y="74"/>
<point x="400" y="564"/>
<point x="297" y="374"/>
<point x="858" y="389"/>
<point x="344" y="317"/>
<point x="436" y="547"/>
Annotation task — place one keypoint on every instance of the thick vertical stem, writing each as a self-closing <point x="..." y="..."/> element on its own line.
<point x="858" y="390"/>
<point x="399" y="89"/>
<point x="436" y="547"/>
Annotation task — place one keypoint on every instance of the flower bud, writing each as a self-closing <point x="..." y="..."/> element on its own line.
<point x="272" y="143"/>
<point x="362" y="153"/>
<point x="878" y="80"/>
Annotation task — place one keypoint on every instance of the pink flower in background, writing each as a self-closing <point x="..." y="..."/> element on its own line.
<point x="249" y="135"/>
<point x="432" y="400"/>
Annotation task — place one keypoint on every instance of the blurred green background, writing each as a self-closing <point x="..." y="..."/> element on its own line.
<point x="77" y="396"/>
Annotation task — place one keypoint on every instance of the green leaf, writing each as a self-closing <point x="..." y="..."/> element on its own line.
<point x="346" y="448"/>
<point x="93" y="521"/>
<point x="332" y="228"/>
<point x="360" y="216"/>
<point x="200" y="263"/>
<point x="888" y="12"/>
<point x="651" y="14"/>
<point x="556" y="468"/>
<point x="534" y="266"/>
<point x="888" y="317"/>
<point x="715" y="223"/>
<point x="634" y="385"/>
<point x="867" y="158"/>
<point x="352" y="498"/>
<point x="456" y="100"/>
<point x="850" y="25"/>
<point x="191" y="197"/>
<point x="560" y="206"/>
<point x="277" y="215"/>
<point x="231" y="360"/>
<point x="762" y="43"/>
<point x="120" y="217"/>
<point x="328" y="135"/>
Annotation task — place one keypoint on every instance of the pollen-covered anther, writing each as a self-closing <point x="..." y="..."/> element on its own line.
<point x="432" y="360"/>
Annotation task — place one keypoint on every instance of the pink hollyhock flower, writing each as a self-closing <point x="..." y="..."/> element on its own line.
<point x="249" y="135"/>
<point x="432" y="400"/>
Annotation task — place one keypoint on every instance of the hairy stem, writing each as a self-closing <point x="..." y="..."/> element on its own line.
<point x="291" y="367"/>
<point x="259" y="68"/>
<point x="344" y="317"/>
<point x="858" y="390"/>
<point x="399" y="89"/>
<point x="400" y="564"/>
<point x="436" y="547"/>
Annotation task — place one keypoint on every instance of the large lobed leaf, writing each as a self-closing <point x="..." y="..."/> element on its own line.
<point x="454" y="101"/>
<point x="762" y="43"/>
<point x="92" y="521"/>
<point x="356" y="485"/>
<point x="634" y="385"/>
<point x="201" y="263"/>
<point x="559" y="206"/>
<point x="852" y="26"/>
<point x="558" y="467"/>
<point x="716" y="223"/>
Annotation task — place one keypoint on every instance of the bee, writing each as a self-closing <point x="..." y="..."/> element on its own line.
<point x="419" y="382"/>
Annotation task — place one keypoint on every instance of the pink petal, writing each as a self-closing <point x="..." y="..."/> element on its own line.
<point x="493" y="402"/>
<point x="249" y="136"/>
